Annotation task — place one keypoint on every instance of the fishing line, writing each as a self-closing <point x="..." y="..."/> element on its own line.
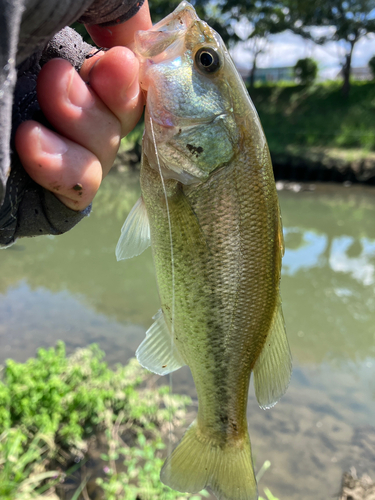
<point x="172" y="274"/>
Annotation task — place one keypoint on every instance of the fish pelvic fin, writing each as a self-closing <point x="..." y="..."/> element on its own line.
<point x="273" y="369"/>
<point x="158" y="352"/>
<point x="198" y="462"/>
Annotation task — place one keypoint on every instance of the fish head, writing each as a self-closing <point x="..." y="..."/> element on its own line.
<point x="195" y="97"/>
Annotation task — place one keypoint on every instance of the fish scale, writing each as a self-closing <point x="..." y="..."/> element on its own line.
<point x="210" y="211"/>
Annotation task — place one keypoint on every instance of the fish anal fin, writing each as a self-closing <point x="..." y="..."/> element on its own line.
<point x="135" y="233"/>
<point x="198" y="462"/>
<point x="157" y="352"/>
<point x="273" y="368"/>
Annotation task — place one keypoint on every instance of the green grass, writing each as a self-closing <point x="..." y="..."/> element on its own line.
<point x="52" y="405"/>
<point x="295" y="116"/>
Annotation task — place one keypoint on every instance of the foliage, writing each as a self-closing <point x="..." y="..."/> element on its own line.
<point x="53" y="403"/>
<point x="140" y="464"/>
<point x="316" y="116"/>
<point x="64" y="397"/>
<point x="21" y="470"/>
<point x="306" y="70"/>
<point x="371" y="64"/>
<point x="347" y="21"/>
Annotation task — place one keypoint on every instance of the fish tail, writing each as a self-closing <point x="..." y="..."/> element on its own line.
<point x="198" y="462"/>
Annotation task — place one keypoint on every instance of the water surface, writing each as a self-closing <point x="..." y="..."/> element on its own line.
<point x="71" y="288"/>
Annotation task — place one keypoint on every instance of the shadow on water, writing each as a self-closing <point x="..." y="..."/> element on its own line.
<point x="71" y="288"/>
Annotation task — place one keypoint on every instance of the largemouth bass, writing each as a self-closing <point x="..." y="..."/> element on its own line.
<point x="210" y="211"/>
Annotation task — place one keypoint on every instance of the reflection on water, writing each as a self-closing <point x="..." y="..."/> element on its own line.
<point x="71" y="287"/>
<point x="347" y="255"/>
<point x="308" y="253"/>
<point x="360" y="265"/>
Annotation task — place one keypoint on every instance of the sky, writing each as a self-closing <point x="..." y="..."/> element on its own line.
<point x="286" y="48"/>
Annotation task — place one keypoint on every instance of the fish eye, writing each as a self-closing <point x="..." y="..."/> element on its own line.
<point x="207" y="59"/>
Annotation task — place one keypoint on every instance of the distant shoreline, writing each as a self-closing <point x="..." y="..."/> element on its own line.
<point x="315" y="134"/>
<point x="324" y="165"/>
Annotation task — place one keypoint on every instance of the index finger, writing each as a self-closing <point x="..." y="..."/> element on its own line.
<point x="121" y="34"/>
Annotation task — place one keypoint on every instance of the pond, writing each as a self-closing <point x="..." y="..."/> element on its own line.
<point x="71" y="288"/>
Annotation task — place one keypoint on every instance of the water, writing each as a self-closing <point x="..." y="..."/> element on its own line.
<point x="71" y="287"/>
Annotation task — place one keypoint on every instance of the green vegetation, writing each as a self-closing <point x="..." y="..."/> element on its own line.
<point x="22" y="465"/>
<point x="306" y="70"/>
<point x="371" y="64"/>
<point x="295" y="116"/>
<point x="52" y="406"/>
<point x="348" y="21"/>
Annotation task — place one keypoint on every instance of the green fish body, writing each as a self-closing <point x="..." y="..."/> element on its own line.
<point x="209" y="208"/>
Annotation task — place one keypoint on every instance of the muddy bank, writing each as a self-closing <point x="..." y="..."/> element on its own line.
<point x="324" y="165"/>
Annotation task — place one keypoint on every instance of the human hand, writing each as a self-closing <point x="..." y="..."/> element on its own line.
<point x="90" y="120"/>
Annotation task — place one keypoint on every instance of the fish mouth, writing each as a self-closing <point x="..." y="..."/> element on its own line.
<point x="179" y="20"/>
<point x="182" y="22"/>
<point x="150" y="43"/>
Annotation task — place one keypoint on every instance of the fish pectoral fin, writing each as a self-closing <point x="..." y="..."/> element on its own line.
<point x="158" y="352"/>
<point x="135" y="233"/>
<point x="273" y="368"/>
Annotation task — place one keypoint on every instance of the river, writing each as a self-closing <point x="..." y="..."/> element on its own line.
<point x="70" y="287"/>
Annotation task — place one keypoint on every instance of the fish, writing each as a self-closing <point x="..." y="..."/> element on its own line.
<point x="210" y="211"/>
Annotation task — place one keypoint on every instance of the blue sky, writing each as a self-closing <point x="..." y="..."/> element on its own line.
<point x="286" y="48"/>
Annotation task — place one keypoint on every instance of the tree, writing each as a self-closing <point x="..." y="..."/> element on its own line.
<point x="250" y="23"/>
<point x="345" y="20"/>
<point x="306" y="70"/>
<point x="256" y="45"/>
<point x="371" y="64"/>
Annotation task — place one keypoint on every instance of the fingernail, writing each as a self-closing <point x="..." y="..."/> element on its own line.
<point x="77" y="92"/>
<point x="50" y="143"/>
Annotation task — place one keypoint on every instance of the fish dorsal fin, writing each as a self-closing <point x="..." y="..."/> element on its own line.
<point x="135" y="233"/>
<point x="157" y="352"/>
<point x="273" y="368"/>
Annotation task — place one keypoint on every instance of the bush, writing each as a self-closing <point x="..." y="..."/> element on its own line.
<point x="51" y="405"/>
<point x="306" y="70"/>
<point x="371" y="64"/>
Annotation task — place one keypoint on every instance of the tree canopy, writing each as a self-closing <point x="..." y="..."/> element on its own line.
<point x="345" y="20"/>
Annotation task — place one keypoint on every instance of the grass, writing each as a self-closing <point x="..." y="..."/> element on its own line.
<point x="296" y="116"/>
<point x="53" y="405"/>
<point x="22" y="474"/>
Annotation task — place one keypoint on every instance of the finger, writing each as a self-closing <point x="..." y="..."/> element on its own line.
<point x="89" y="62"/>
<point x="114" y="78"/>
<point x="122" y="34"/>
<point x="67" y="169"/>
<point x="77" y="113"/>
